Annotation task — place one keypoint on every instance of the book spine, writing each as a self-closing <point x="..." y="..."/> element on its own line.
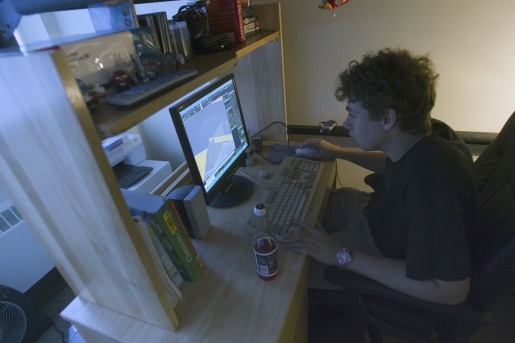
<point x="248" y="20"/>
<point x="161" y="235"/>
<point x="160" y="31"/>
<point x="167" y="270"/>
<point x="251" y="28"/>
<point x="240" y="35"/>
<point x="168" y="264"/>
<point x="226" y="16"/>
<point x="171" y="225"/>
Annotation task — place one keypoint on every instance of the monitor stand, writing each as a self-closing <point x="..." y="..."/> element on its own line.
<point x="236" y="193"/>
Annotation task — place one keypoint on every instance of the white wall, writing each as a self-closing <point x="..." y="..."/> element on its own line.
<point x="470" y="41"/>
<point x="42" y="27"/>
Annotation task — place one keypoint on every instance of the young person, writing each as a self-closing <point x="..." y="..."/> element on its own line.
<point x="410" y="233"/>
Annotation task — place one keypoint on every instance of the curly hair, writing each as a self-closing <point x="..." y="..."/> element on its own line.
<point x="392" y="79"/>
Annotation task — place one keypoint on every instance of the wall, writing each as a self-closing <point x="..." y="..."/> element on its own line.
<point x="471" y="43"/>
<point x="160" y="139"/>
<point x="24" y="261"/>
<point x="42" y="27"/>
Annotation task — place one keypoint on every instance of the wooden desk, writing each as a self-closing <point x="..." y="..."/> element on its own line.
<point x="229" y="303"/>
<point x="54" y="169"/>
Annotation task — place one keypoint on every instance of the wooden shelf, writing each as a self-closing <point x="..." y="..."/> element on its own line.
<point x="112" y="120"/>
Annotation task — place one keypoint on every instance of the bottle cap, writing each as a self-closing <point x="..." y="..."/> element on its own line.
<point x="260" y="210"/>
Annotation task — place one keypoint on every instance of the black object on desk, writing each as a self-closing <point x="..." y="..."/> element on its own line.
<point x="127" y="174"/>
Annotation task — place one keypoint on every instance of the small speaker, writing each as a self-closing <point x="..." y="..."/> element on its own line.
<point x="192" y="208"/>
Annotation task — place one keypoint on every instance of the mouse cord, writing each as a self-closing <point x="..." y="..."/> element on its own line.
<point x="245" y="175"/>
<point x="273" y="123"/>
<point x="338" y="175"/>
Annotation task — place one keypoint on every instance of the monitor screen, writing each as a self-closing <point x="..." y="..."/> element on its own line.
<point x="212" y="134"/>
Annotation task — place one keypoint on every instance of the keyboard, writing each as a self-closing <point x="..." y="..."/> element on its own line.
<point x="148" y="89"/>
<point x="291" y="194"/>
<point x="127" y="175"/>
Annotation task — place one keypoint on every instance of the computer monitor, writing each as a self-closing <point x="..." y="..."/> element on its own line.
<point x="213" y="137"/>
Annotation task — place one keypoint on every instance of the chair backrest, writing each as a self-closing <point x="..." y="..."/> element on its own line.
<point x="492" y="240"/>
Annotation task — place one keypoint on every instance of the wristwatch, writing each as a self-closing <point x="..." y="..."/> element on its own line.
<point x="344" y="258"/>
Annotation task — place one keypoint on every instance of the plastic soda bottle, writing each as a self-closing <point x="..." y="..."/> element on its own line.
<point x="265" y="245"/>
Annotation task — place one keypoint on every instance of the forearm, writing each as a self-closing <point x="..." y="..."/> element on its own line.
<point x="371" y="160"/>
<point x="392" y="273"/>
<point x="389" y="272"/>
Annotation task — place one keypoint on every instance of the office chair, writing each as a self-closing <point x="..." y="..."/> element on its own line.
<point x="492" y="246"/>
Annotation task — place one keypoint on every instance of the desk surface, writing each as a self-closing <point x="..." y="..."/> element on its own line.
<point x="229" y="303"/>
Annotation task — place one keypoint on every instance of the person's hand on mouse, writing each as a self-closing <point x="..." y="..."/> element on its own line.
<point x="326" y="150"/>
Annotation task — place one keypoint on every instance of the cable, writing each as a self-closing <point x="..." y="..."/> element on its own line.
<point x="194" y="16"/>
<point x="245" y="175"/>
<point x="256" y="135"/>
<point x="338" y="175"/>
<point x="273" y="123"/>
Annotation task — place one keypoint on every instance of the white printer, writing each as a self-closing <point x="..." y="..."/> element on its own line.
<point x="126" y="154"/>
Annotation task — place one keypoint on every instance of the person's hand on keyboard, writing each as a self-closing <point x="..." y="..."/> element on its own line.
<point x="315" y="242"/>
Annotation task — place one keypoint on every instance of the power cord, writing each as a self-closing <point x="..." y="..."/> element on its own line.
<point x="326" y="128"/>
<point x="257" y="142"/>
<point x="194" y="16"/>
<point x="338" y="175"/>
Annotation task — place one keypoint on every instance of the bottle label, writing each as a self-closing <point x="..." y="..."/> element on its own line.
<point x="266" y="262"/>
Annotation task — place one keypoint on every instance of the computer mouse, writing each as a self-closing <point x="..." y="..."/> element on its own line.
<point x="306" y="150"/>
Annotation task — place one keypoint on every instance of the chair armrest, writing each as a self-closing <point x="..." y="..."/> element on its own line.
<point x="360" y="285"/>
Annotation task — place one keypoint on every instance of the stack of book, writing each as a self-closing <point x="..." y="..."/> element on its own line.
<point x="167" y="240"/>
<point x="250" y="21"/>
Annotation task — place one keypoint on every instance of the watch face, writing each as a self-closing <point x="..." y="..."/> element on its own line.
<point x="344" y="257"/>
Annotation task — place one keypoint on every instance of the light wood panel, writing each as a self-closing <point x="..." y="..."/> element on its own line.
<point x="53" y="168"/>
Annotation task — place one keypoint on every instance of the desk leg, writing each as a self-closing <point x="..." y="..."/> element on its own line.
<point x="295" y="329"/>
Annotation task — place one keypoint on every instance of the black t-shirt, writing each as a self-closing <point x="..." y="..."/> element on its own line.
<point x="422" y="208"/>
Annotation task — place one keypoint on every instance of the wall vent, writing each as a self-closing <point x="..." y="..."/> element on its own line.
<point x="9" y="218"/>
